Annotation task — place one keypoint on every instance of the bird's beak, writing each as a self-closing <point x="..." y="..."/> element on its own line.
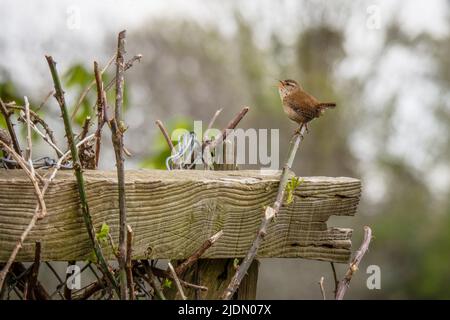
<point x="281" y="82"/>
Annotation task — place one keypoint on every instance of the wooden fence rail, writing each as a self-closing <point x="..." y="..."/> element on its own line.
<point x="173" y="212"/>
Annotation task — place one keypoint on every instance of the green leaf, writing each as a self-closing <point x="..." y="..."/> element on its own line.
<point x="77" y="75"/>
<point x="104" y="232"/>
<point x="236" y="263"/>
<point x="92" y="257"/>
<point x="290" y="188"/>
<point x="167" y="283"/>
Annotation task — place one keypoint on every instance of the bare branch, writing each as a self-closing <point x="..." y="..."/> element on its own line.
<point x="49" y="94"/>
<point x="345" y="283"/>
<point x="213" y="119"/>
<point x="30" y="175"/>
<point x="128" y="65"/>
<point x="181" y="268"/>
<point x="12" y="133"/>
<point x="59" y="95"/>
<point x="44" y="137"/>
<point x="322" y="290"/>
<point x="129" y="265"/>
<point x="336" y="281"/>
<point x="35" y="217"/>
<point x="101" y="112"/>
<point x="35" y="118"/>
<point x="177" y="281"/>
<point x="88" y="88"/>
<point x="117" y="140"/>
<point x="165" y="134"/>
<point x="231" y="125"/>
<point x="269" y="214"/>
<point x="29" y="143"/>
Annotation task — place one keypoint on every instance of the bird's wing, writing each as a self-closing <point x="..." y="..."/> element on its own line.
<point x="305" y="113"/>
<point x="307" y="107"/>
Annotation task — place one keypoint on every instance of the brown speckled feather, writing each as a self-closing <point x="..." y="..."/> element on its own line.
<point x="307" y="110"/>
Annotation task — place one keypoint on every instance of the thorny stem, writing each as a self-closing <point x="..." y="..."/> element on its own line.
<point x="117" y="140"/>
<point x="12" y="133"/>
<point x="59" y="95"/>
<point x="35" y="119"/>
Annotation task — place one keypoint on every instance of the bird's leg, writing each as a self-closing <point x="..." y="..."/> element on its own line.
<point x="306" y="128"/>
<point x="298" y="131"/>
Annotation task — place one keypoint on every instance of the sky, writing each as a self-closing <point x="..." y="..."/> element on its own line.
<point x="75" y="31"/>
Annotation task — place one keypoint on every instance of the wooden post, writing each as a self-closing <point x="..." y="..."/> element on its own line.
<point x="215" y="274"/>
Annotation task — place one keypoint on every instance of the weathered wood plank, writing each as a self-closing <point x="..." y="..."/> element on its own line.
<point x="172" y="213"/>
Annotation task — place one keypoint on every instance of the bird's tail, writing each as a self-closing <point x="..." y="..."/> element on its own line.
<point x="326" y="105"/>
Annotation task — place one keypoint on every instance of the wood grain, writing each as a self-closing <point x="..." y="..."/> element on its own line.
<point x="173" y="213"/>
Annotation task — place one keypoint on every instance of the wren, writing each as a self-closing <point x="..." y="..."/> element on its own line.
<point x="299" y="105"/>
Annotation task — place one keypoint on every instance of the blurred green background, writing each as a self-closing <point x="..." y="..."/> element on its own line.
<point x="386" y="65"/>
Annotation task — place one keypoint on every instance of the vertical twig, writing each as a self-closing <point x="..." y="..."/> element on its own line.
<point x="336" y="281"/>
<point x="88" y="88"/>
<point x="85" y="129"/>
<point x="345" y="283"/>
<point x="129" y="265"/>
<point x="117" y="140"/>
<point x="59" y="95"/>
<point x="32" y="281"/>
<point x="177" y="281"/>
<point x="128" y="65"/>
<point x="269" y="214"/>
<point x="165" y="134"/>
<point x="101" y="112"/>
<point x="214" y="118"/>
<point x="29" y="143"/>
<point x="322" y="290"/>
<point x="12" y="133"/>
